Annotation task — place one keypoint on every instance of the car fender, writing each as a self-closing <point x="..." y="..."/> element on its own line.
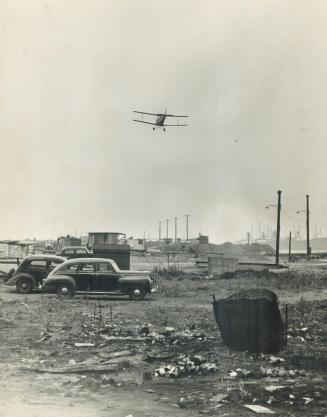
<point x="13" y="280"/>
<point x="9" y="275"/>
<point x="60" y="279"/>
<point x="132" y="280"/>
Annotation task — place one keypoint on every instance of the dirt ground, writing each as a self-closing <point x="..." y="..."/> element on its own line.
<point x="91" y="357"/>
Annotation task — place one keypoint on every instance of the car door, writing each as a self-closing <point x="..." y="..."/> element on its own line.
<point x="106" y="278"/>
<point x="85" y="276"/>
<point x="38" y="269"/>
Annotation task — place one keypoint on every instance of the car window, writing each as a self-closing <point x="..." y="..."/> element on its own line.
<point x="87" y="267"/>
<point x="54" y="263"/>
<point x="71" y="267"/>
<point x="104" y="267"/>
<point x="68" y="251"/>
<point x="80" y="251"/>
<point x="39" y="263"/>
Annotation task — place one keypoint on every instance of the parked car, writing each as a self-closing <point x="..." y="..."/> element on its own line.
<point x="32" y="271"/>
<point x="72" y="252"/>
<point x="98" y="276"/>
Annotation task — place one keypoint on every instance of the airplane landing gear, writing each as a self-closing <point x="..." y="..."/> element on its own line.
<point x="164" y="129"/>
<point x="153" y="128"/>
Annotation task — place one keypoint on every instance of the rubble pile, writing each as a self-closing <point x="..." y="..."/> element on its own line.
<point x="196" y="365"/>
<point x="298" y="396"/>
<point x="127" y="330"/>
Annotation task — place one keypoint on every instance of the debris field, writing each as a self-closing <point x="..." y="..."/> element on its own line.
<point x="164" y="352"/>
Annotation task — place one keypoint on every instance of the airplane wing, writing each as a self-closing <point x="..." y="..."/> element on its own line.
<point x="142" y="121"/>
<point x="170" y="115"/>
<point x="143" y="112"/>
<point x="174" y="125"/>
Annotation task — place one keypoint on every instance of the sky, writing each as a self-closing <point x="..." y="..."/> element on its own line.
<point x="250" y="74"/>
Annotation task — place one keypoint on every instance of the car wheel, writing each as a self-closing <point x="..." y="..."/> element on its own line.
<point x="137" y="293"/>
<point x="65" y="291"/>
<point x="24" y="286"/>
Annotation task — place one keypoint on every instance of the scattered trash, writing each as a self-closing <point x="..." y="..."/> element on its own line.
<point x="275" y="360"/>
<point x="273" y="388"/>
<point x="259" y="409"/>
<point x="187" y="366"/>
<point x="241" y="373"/>
<point x="279" y="372"/>
<point x="307" y="400"/>
<point x="219" y="397"/>
<point x="84" y="344"/>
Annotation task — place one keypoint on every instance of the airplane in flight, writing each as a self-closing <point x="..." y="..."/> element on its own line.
<point x="160" y="119"/>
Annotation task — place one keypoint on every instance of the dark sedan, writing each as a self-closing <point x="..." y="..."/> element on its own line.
<point x="97" y="276"/>
<point x="72" y="252"/>
<point x="32" y="271"/>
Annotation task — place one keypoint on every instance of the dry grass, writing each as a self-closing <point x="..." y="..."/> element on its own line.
<point x="190" y="285"/>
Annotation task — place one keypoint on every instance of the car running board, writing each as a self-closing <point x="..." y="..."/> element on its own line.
<point x="100" y="292"/>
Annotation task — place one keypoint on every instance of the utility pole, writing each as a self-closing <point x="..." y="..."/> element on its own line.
<point x="187" y="216"/>
<point x="289" y="247"/>
<point x="278" y="226"/>
<point x="175" y="229"/>
<point x="159" y="230"/>
<point x="308" y="229"/>
<point x="167" y="228"/>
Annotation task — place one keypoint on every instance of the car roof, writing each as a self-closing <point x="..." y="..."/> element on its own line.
<point x="89" y="260"/>
<point x="44" y="257"/>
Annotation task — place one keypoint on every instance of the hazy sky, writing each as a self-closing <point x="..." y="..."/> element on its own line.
<point x="251" y="74"/>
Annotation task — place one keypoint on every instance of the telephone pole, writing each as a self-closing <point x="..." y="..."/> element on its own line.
<point x="159" y="230"/>
<point x="175" y="229"/>
<point x="167" y="228"/>
<point x="308" y="229"/>
<point x="289" y="247"/>
<point x="187" y="217"/>
<point x="278" y="226"/>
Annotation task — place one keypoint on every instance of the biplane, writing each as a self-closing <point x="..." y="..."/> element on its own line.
<point x="160" y="119"/>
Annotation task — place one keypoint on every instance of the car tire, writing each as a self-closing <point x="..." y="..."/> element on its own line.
<point x="137" y="293"/>
<point x="24" y="285"/>
<point x="65" y="291"/>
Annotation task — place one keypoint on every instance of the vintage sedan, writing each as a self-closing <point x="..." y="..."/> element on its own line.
<point x="70" y="252"/>
<point x="98" y="276"/>
<point x="32" y="271"/>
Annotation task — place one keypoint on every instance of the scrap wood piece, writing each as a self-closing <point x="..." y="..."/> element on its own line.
<point x="273" y="388"/>
<point x="84" y="344"/>
<point x="127" y="338"/>
<point x="112" y="355"/>
<point x="107" y="366"/>
<point x="161" y="355"/>
<point x="219" y="397"/>
<point x="80" y="369"/>
<point x="259" y="409"/>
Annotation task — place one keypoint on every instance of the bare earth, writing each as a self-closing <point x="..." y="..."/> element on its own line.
<point x="43" y="372"/>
